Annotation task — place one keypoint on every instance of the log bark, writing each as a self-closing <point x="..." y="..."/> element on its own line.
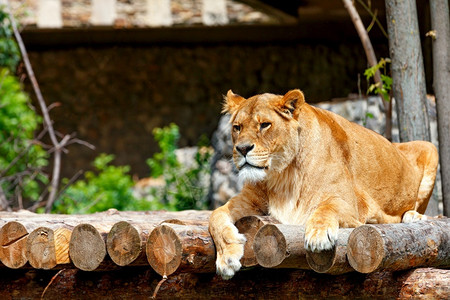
<point x="111" y="215"/>
<point x="140" y="283"/>
<point x="407" y="70"/>
<point x="282" y="246"/>
<point x="249" y="226"/>
<point x="181" y="248"/>
<point x="400" y="246"/>
<point x="441" y="74"/>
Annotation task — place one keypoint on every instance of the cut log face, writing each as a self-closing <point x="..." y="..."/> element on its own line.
<point x="400" y="246"/>
<point x="13" y="241"/>
<point x="41" y="252"/>
<point x="87" y="247"/>
<point x="123" y="243"/>
<point x="332" y="261"/>
<point x="180" y="248"/>
<point x="62" y="237"/>
<point x="164" y="250"/>
<point x="249" y="226"/>
<point x="280" y="246"/>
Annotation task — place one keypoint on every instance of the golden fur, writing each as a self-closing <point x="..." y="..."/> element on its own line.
<point x="308" y="166"/>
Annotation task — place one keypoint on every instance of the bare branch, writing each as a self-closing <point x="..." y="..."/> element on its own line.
<point x="371" y="59"/>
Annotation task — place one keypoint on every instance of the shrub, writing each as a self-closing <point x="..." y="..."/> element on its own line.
<point x="185" y="186"/>
<point x="108" y="186"/>
<point x="21" y="157"/>
<point x="9" y="51"/>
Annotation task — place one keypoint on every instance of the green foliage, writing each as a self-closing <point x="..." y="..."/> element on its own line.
<point x="167" y="139"/>
<point x="21" y="159"/>
<point x="9" y="51"/>
<point x="183" y="188"/>
<point x="108" y="186"/>
<point x="385" y="79"/>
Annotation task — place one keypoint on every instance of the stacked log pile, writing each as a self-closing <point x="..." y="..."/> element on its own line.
<point x="376" y="260"/>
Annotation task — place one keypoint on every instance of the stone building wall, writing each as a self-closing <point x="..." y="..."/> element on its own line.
<point x="114" y="96"/>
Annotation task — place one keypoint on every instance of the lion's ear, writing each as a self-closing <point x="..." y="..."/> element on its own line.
<point x="292" y="101"/>
<point x="232" y="102"/>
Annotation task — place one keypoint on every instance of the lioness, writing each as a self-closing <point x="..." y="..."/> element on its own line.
<point x="308" y="166"/>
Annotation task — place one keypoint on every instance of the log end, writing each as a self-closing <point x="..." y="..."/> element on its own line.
<point x="13" y="240"/>
<point x="323" y="261"/>
<point x="41" y="248"/>
<point x="123" y="243"/>
<point x="249" y="226"/>
<point x="87" y="249"/>
<point x="270" y="246"/>
<point x="365" y="250"/>
<point x="164" y="250"/>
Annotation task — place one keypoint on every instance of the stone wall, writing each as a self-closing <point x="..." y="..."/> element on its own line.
<point x="113" y="97"/>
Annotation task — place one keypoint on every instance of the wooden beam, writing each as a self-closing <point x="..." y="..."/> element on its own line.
<point x="140" y="283"/>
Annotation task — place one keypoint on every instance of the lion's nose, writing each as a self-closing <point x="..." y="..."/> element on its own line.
<point x="244" y="149"/>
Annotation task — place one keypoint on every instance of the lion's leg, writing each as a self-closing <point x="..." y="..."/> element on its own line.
<point x="425" y="156"/>
<point x="227" y="239"/>
<point x="322" y="226"/>
<point x="427" y="182"/>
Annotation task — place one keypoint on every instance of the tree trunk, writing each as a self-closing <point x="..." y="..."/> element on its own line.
<point x="182" y="248"/>
<point x="249" y="226"/>
<point x="441" y="74"/>
<point x="400" y="246"/>
<point x="140" y="283"/>
<point x="282" y="246"/>
<point x="407" y="70"/>
<point x="372" y="61"/>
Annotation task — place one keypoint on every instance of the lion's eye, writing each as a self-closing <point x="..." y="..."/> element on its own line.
<point x="265" y="125"/>
<point x="236" y="127"/>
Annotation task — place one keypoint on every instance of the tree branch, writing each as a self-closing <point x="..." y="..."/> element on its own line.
<point x="371" y="59"/>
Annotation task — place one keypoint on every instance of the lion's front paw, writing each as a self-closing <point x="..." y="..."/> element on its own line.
<point x="320" y="236"/>
<point x="413" y="216"/>
<point x="228" y="263"/>
<point x="230" y="246"/>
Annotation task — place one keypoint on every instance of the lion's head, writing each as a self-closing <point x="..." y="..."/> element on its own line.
<point x="265" y="132"/>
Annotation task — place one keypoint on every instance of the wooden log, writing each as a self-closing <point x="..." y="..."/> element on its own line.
<point x="140" y="283"/>
<point x="87" y="247"/>
<point x="126" y="243"/>
<point x="400" y="246"/>
<point x="47" y="247"/>
<point x="13" y="241"/>
<point x="181" y="248"/>
<point x="282" y="246"/>
<point x="332" y="261"/>
<point x="111" y="215"/>
<point x="249" y="226"/>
